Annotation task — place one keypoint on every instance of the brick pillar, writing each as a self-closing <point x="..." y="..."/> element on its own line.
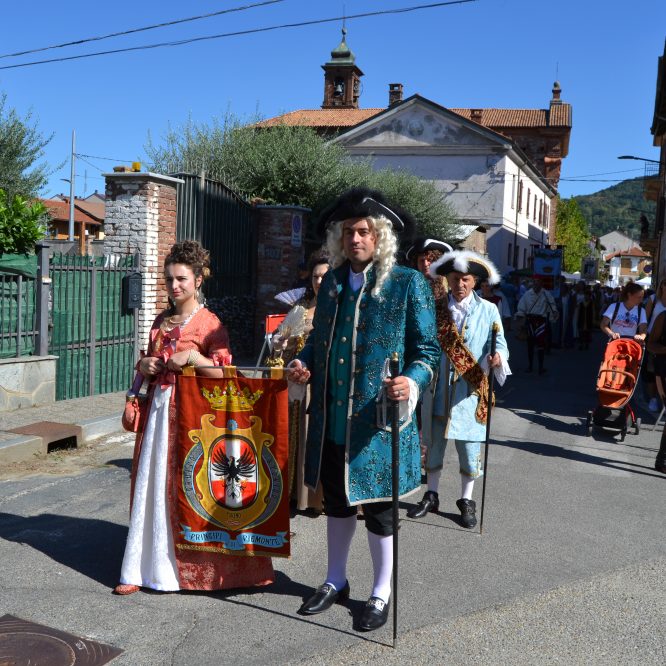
<point x="280" y="238"/>
<point x="140" y="216"/>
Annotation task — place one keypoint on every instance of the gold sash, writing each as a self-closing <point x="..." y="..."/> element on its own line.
<point x="461" y="358"/>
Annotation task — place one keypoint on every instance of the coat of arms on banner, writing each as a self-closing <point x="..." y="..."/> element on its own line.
<point x="232" y="490"/>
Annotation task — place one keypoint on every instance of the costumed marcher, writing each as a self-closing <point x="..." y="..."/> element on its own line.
<point x="626" y="318"/>
<point x="493" y="294"/>
<point x="657" y="345"/>
<point x="423" y="252"/>
<point x="460" y="407"/>
<point x="290" y="336"/>
<point x="537" y="307"/>
<point x="288" y="340"/>
<point x="654" y="306"/>
<point x="585" y="320"/>
<point x="368" y="307"/>
<point x="420" y="255"/>
<point x="184" y="334"/>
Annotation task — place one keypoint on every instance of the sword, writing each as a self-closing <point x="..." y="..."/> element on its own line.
<point x="395" y="481"/>
<point x="491" y="381"/>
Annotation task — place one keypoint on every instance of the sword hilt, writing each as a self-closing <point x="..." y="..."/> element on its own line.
<point x="493" y="339"/>
<point x="394" y="365"/>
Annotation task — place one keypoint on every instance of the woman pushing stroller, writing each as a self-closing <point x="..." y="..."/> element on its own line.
<point x="625" y="324"/>
<point x="626" y="318"/>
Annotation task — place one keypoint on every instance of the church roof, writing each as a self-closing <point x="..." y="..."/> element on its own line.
<point x="342" y="54"/>
<point x="557" y="116"/>
<point x="321" y="117"/>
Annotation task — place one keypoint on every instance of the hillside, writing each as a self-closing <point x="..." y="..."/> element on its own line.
<point x="617" y="208"/>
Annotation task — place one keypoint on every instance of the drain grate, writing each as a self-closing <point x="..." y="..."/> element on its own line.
<point x="23" y="642"/>
<point x="55" y="436"/>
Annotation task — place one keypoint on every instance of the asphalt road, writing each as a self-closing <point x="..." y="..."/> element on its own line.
<point x="570" y="567"/>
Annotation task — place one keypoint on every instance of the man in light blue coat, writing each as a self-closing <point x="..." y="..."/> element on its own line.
<point x="460" y="405"/>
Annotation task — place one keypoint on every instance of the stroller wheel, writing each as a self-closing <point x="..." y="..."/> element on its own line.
<point x="637" y="426"/>
<point x="623" y="434"/>
<point x="588" y="423"/>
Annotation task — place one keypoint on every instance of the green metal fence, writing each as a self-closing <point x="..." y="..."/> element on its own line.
<point x="18" y="329"/>
<point x="92" y="336"/>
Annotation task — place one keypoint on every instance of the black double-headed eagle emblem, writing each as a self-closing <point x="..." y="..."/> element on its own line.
<point x="234" y="471"/>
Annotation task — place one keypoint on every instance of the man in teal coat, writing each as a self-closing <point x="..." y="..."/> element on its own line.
<point x="367" y="308"/>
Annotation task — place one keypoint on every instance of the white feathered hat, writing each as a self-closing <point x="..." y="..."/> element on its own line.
<point x="468" y="262"/>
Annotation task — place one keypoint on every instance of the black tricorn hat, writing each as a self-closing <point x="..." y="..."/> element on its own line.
<point x="364" y="202"/>
<point x="423" y="244"/>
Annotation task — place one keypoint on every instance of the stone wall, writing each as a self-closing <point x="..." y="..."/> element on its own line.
<point x="28" y="381"/>
<point x="140" y="217"/>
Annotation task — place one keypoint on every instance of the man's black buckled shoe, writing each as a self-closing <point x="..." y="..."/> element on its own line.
<point x="430" y="502"/>
<point x="325" y="596"/>
<point x="467" y="512"/>
<point x="375" y="614"/>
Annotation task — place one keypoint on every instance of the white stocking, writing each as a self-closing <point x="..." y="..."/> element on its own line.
<point x="381" y="550"/>
<point x="433" y="480"/>
<point x="339" y="534"/>
<point x="467" y="485"/>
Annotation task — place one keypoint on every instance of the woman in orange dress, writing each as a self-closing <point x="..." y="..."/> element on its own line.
<point x="185" y="334"/>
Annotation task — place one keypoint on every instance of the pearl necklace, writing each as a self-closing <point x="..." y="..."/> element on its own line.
<point x="170" y="324"/>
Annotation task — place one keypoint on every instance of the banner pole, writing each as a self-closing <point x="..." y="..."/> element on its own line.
<point x="395" y="469"/>
<point x="491" y="381"/>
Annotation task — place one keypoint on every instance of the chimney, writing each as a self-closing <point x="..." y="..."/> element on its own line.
<point x="557" y="91"/>
<point x="395" y="93"/>
<point x="477" y="115"/>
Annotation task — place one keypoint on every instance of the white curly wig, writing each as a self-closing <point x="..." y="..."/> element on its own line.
<point x="385" y="250"/>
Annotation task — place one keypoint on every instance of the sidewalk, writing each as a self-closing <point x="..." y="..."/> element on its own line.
<point x="85" y="419"/>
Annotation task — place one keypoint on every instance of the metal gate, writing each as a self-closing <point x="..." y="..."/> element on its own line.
<point x="222" y="221"/>
<point x="18" y="330"/>
<point x="91" y="335"/>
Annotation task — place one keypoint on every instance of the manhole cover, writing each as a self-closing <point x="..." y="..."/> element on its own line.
<point x="24" y="643"/>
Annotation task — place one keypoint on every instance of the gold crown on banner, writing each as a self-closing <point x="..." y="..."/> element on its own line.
<point x="231" y="399"/>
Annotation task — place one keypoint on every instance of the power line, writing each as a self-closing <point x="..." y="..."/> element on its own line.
<point x="596" y="180"/>
<point x="94" y="166"/>
<point x="400" y="10"/>
<point x="143" y="29"/>
<point x="604" y="173"/>
<point x="98" y="157"/>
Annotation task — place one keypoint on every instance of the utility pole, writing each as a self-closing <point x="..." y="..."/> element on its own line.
<point x="71" y="188"/>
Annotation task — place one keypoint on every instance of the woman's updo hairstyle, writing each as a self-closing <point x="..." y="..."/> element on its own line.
<point x="191" y="254"/>
<point x="629" y="289"/>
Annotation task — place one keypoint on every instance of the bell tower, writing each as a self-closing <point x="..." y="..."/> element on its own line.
<point x="342" y="78"/>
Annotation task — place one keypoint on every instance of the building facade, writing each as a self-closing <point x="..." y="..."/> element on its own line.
<point x="498" y="167"/>
<point x="486" y="178"/>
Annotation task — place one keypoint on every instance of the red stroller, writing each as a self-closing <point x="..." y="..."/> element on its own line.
<point x="616" y="382"/>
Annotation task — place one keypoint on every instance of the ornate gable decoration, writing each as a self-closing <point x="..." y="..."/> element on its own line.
<point x="420" y="124"/>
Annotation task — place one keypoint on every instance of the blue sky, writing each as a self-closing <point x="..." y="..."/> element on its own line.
<point x="488" y="53"/>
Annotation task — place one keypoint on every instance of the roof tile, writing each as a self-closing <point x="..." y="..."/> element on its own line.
<point x="59" y="210"/>
<point x="559" y="115"/>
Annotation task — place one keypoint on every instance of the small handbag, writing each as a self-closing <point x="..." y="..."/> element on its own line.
<point x="136" y="405"/>
<point x="134" y="414"/>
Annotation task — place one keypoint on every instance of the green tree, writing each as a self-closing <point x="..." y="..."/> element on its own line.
<point x="573" y="233"/>
<point x="21" y="146"/>
<point x="618" y="208"/>
<point x="21" y="224"/>
<point x="292" y="165"/>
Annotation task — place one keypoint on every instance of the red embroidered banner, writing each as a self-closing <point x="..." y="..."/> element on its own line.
<point x="233" y="443"/>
